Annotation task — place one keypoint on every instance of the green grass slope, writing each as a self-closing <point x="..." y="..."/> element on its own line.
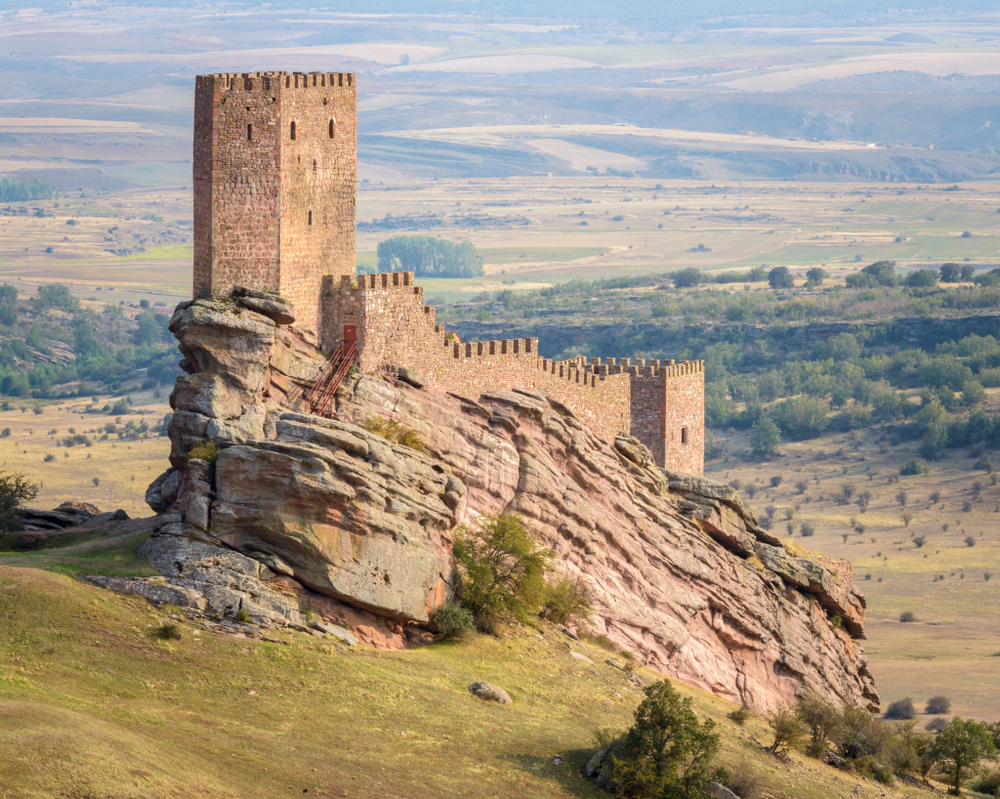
<point x="92" y="706"/>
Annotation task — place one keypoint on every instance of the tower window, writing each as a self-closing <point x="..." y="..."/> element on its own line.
<point x="333" y="128"/>
<point x="292" y="131"/>
<point x="314" y="165"/>
<point x="249" y="132"/>
<point x="684" y="435"/>
<point x="310" y="220"/>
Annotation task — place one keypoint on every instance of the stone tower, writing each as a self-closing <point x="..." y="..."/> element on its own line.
<point x="275" y="165"/>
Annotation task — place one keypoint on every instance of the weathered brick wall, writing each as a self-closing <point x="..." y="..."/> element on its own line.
<point x="271" y="211"/>
<point x="684" y="417"/>
<point x="395" y="328"/>
<point x="318" y="182"/>
<point x="236" y="179"/>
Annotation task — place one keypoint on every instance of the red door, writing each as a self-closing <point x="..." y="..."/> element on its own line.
<point x="350" y="336"/>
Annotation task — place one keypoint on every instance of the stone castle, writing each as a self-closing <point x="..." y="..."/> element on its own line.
<point x="275" y="172"/>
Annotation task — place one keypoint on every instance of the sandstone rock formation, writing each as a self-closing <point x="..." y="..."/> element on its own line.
<point x="681" y="573"/>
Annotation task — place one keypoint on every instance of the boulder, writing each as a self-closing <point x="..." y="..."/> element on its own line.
<point x="353" y="516"/>
<point x="718" y="791"/>
<point x="411" y="376"/>
<point x="490" y="693"/>
<point x="271" y="305"/>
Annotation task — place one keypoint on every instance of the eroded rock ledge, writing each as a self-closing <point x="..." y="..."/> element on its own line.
<point x="681" y="573"/>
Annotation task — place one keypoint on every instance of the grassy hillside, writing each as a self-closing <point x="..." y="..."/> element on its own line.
<point x="93" y="706"/>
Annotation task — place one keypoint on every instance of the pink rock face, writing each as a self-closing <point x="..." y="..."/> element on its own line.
<point x="687" y="606"/>
<point x="680" y="573"/>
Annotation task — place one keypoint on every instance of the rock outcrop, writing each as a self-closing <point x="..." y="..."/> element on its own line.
<point x="681" y="573"/>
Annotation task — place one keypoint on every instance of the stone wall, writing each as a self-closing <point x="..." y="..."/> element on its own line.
<point x="394" y="328"/>
<point x="318" y="180"/>
<point x="274" y="212"/>
<point x="684" y="415"/>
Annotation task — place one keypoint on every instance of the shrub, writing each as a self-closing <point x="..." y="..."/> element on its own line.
<point x="970" y="541"/>
<point x="452" y="619"/>
<point x="901" y="709"/>
<point x="938" y="705"/>
<point x="740" y="715"/>
<point x="15" y="490"/>
<point x="916" y="466"/>
<point x="988" y="784"/>
<point x="168" y="632"/>
<point x="788" y="732"/>
<point x="501" y="570"/>
<point x="806" y="529"/>
<point x="667" y="751"/>
<point x="776" y="481"/>
<point x="821" y="719"/>
<point x="205" y="451"/>
<point x="907" y="616"/>
<point x="919" y="541"/>
<point x="242" y="616"/>
<point x="936" y="725"/>
<point x="745" y="782"/>
<point x="567" y="599"/>
<point x="49" y="458"/>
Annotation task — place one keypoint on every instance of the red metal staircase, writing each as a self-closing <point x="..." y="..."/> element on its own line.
<point x="321" y="394"/>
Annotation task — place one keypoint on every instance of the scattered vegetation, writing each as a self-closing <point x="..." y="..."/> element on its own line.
<point x="396" y="432"/>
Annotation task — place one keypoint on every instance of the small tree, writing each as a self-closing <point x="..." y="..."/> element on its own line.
<point x="15" y="490"/>
<point x="901" y="498"/>
<point x="788" y="731"/>
<point x="815" y="277"/>
<point x="667" y="752"/>
<point x="958" y="749"/>
<point x="764" y="438"/>
<point x="501" y="570"/>
<point x="780" y="278"/>
<point x="907" y="518"/>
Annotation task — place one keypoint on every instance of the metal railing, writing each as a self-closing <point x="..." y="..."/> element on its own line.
<point x="321" y="394"/>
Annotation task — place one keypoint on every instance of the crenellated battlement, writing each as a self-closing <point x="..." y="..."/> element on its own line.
<point x="269" y="81"/>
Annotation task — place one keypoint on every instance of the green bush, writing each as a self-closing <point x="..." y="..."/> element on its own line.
<point x="452" y="619"/>
<point x="168" y="632"/>
<point x="15" y="490"/>
<point x="916" y="466"/>
<point x="667" y="752"/>
<point x="501" y="571"/>
<point x="205" y="451"/>
<point x="567" y="599"/>
<point x="242" y="616"/>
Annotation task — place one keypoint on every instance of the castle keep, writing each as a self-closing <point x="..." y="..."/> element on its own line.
<point x="275" y="165"/>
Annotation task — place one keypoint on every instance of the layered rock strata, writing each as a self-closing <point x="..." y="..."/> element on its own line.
<point x="680" y="571"/>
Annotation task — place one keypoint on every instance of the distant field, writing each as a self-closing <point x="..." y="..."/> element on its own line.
<point x="952" y="648"/>
<point x="123" y="469"/>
